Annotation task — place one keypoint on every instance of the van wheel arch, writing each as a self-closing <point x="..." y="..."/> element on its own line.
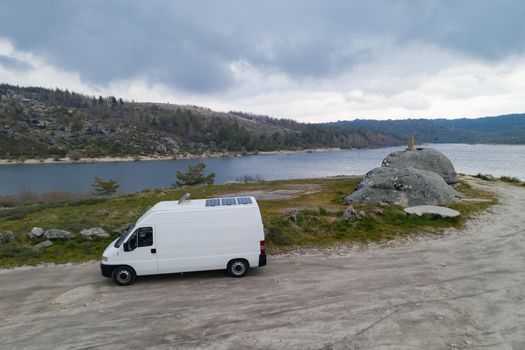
<point x="124" y="275"/>
<point x="238" y="267"/>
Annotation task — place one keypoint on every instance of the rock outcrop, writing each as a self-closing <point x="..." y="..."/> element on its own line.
<point x="424" y="159"/>
<point x="403" y="186"/>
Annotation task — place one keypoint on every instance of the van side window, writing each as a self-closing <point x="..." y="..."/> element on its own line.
<point x="145" y="235"/>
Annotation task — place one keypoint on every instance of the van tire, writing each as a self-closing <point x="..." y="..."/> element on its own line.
<point x="123" y="275"/>
<point x="238" y="268"/>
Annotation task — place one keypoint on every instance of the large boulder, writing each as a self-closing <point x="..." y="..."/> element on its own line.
<point x="405" y="187"/>
<point x="54" y="233"/>
<point x="424" y="159"/>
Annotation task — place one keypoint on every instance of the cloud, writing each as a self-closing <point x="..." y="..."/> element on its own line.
<point x="313" y="60"/>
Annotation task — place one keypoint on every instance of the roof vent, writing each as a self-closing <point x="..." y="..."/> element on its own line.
<point x="184" y="198"/>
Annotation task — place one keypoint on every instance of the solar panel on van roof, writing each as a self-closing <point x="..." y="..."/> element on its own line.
<point x="244" y="200"/>
<point x="228" y="201"/>
<point x="213" y="202"/>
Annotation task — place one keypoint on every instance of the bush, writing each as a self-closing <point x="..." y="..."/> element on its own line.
<point x="75" y="155"/>
<point x="486" y="177"/>
<point x="17" y="251"/>
<point x="512" y="180"/>
<point x="249" y="179"/>
<point x="194" y="177"/>
<point x="103" y="187"/>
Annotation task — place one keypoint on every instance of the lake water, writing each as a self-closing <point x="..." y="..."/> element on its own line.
<point x="497" y="160"/>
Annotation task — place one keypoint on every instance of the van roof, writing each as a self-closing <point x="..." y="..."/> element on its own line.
<point x="222" y="202"/>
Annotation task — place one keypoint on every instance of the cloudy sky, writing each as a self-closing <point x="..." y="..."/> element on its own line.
<point x="307" y="60"/>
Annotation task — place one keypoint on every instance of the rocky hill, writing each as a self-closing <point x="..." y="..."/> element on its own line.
<point x="504" y="129"/>
<point x="43" y="123"/>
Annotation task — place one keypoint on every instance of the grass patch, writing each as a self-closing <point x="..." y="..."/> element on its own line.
<point x="485" y="177"/>
<point x="511" y="180"/>
<point x="318" y="221"/>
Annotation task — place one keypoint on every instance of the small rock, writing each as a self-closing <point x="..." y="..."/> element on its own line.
<point x="433" y="210"/>
<point x="383" y="204"/>
<point x="6" y="237"/>
<point x="44" y="244"/>
<point x="54" y="233"/>
<point x="94" y="231"/>
<point x="291" y="215"/>
<point x="351" y="214"/>
<point x="35" y="232"/>
<point x="377" y="211"/>
<point x="124" y="229"/>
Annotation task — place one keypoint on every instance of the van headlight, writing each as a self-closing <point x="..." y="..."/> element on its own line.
<point x="104" y="258"/>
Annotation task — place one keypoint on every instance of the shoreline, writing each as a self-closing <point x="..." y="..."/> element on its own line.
<point x="188" y="156"/>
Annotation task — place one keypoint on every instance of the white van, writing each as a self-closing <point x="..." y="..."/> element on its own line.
<point x="183" y="236"/>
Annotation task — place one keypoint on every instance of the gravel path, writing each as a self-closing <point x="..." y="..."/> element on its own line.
<point x="465" y="290"/>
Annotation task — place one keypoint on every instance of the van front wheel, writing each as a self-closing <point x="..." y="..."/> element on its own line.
<point x="123" y="275"/>
<point x="238" y="268"/>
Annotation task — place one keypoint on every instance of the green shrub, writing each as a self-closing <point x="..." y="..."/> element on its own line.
<point x="512" y="180"/>
<point x="486" y="177"/>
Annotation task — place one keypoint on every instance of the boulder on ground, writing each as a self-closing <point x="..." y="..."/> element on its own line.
<point x="424" y="159"/>
<point x="35" y="232"/>
<point x="44" y="244"/>
<point x="405" y="187"/>
<point x="351" y="214"/>
<point x="54" y="233"/>
<point x="6" y="237"/>
<point x="432" y="210"/>
<point x="94" y="231"/>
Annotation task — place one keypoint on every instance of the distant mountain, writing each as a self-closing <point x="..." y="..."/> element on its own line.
<point x="504" y="129"/>
<point x="39" y="123"/>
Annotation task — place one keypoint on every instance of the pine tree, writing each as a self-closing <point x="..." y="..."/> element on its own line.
<point x="102" y="187"/>
<point x="194" y="177"/>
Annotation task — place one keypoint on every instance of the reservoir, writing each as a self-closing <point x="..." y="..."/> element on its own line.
<point x="498" y="160"/>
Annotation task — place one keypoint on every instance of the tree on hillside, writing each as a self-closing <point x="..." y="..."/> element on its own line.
<point x="194" y="177"/>
<point x="103" y="187"/>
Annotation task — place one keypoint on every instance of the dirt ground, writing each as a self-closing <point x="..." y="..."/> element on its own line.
<point x="463" y="290"/>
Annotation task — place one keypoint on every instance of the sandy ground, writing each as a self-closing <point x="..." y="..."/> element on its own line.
<point x="205" y="155"/>
<point x="463" y="290"/>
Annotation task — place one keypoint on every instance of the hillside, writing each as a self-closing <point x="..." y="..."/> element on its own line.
<point x="42" y="123"/>
<point x="505" y="129"/>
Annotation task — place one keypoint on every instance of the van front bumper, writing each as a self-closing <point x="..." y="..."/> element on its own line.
<point x="262" y="259"/>
<point x="106" y="270"/>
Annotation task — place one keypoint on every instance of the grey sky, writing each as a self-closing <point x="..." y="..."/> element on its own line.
<point x="286" y="58"/>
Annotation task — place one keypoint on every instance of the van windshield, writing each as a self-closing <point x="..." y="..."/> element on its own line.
<point x="121" y="239"/>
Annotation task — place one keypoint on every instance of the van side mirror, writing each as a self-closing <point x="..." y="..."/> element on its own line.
<point x="131" y="244"/>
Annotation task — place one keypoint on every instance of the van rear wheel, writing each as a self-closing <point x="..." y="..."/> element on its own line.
<point x="123" y="275"/>
<point x="238" y="268"/>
